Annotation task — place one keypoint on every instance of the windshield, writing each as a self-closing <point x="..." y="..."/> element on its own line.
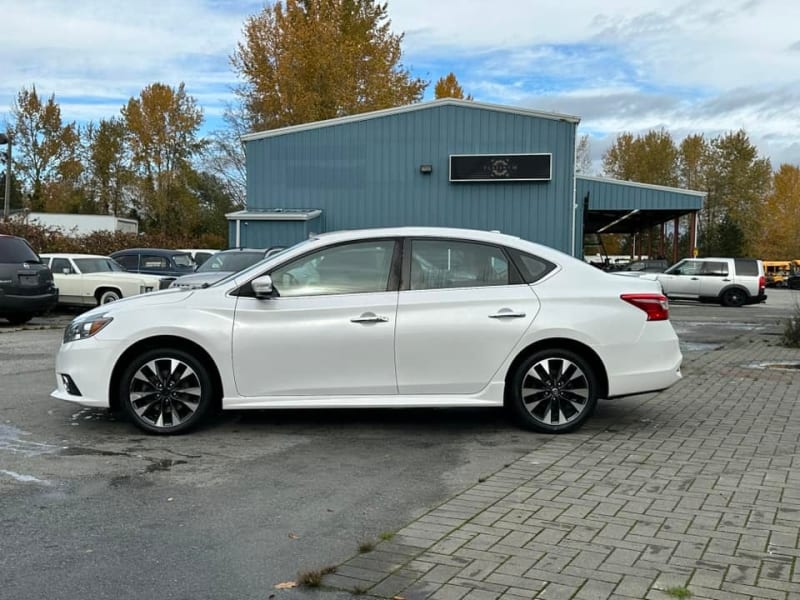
<point x="16" y="250"/>
<point x="183" y="260"/>
<point x="305" y="242"/>
<point x="97" y="265"/>
<point x="230" y="261"/>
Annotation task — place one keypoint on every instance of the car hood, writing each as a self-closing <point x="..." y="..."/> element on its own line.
<point x="197" y="280"/>
<point x="139" y="302"/>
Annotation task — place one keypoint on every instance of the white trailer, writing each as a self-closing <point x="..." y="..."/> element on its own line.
<point x="83" y="224"/>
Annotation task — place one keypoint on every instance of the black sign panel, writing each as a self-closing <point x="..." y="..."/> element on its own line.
<point x="500" y="167"/>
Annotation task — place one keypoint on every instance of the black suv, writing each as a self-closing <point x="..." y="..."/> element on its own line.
<point x="156" y="261"/>
<point x="26" y="285"/>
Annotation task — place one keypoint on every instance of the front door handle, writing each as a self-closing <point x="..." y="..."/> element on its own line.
<point x="695" y="278"/>
<point x="507" y="313"/>
<point x="369" y="317"/>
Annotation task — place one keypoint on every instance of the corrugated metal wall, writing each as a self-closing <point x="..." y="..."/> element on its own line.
<point x="259" y="233"/>
<point x="366" y="173"/>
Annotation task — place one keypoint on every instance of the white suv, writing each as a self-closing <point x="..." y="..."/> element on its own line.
<point x="729" y="281"/>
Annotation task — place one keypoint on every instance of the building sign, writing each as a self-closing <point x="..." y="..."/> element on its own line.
<point x="501" y="167"/>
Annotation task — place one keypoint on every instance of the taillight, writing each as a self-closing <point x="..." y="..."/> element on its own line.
<point x="762" y="283"/>
<point x="655" y="305"/>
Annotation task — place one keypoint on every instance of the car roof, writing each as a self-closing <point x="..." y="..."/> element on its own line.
<point x="71" y="255"/>
<point x="150" y="250"/>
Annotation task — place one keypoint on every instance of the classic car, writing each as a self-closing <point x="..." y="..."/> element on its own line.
<point x="90" y="279"/>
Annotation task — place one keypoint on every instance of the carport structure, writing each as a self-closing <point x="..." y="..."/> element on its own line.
<point x="624" y="207"/>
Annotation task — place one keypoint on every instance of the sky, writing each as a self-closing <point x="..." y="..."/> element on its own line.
<point x="702" y="66"/>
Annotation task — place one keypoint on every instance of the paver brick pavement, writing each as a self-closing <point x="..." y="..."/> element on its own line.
<point x="696" y="487"/>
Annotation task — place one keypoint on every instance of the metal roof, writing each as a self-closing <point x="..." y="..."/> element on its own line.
<point x="528" y="112"/>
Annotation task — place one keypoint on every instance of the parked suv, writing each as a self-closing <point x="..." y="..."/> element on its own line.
<point x="156" y="261"/>
<point x="26" y="285"/>
<point x="729" y="281"/>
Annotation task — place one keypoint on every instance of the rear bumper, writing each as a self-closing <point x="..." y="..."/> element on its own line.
<point x="12" y="304"/>
<point x="757" y="299"/>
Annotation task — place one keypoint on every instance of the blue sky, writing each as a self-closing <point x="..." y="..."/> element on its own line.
<point x="702" y="66"/>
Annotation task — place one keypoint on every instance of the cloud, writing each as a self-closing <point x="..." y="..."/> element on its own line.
<point x="623" y="65"/>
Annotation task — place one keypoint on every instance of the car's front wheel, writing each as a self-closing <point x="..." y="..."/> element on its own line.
<point x="553" y="391"/>
<point x="166" y="391"/>
<point x="108" y="296"/>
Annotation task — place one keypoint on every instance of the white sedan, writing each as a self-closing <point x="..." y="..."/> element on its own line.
<point x="90" y="279"/>
<point x="404" y="317"/>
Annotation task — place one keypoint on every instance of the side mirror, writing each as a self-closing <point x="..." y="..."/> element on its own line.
<point x="262" y="286"/>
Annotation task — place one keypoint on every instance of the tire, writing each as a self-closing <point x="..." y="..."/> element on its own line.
<point x="166" y="391"/>
<point x="733" y="297"/>
<point x="109" y="296"/>
<point x="549" y="381"/>
<point x="19" y="319"/>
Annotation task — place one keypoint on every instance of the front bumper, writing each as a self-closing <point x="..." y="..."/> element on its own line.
<point x="88" y="364"/>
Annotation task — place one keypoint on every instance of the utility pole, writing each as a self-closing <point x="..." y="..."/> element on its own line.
<point x="6" y="139"/>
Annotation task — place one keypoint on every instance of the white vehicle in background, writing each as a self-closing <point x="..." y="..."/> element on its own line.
<point x="91" y="279"/>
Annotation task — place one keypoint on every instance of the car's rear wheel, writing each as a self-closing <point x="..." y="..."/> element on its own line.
<point x="166" y="391"/>
<point x="109" y="296"/>
<point x="553" y="391"/>
<point x="733" y="297"/>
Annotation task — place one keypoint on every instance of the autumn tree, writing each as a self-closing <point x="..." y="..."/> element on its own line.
<point x="448" y="87"/>
<point x="649" y="158"/>
<point x="161" y="127"/>
<point x="47" y="152"/>
<point x="223" y="156"/>
<point x="308" y="60"/>
<point x="780" y="236"/>
<point x="107" y="171"/>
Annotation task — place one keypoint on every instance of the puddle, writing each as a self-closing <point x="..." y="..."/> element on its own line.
<point x="78" y="451"/>
<point x="778" y="366"/>
<point x="24" y="478"/>
<point x="163" y="465"/>
<point x="699" y="346"/>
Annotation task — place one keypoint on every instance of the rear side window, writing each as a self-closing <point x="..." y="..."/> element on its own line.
<point x="532" y="268"/>
<point x="129" y="261"/>
<point x="746" y="267"/>
<point x="16" y="250"/>
<point x="715" y="269"/>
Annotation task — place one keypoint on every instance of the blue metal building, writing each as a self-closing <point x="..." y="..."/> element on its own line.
<point x="448" y="162"/>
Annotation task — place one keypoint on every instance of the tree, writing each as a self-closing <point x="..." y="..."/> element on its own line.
<point x="161" y="131"/>
<point x="106" y="165"/>
<point x="224" y="155"/>
<point x="583" y="156"/>
<point x="648" y="158"/>
<point x="46" y="151"/>
<point x="780" y="236"/>
<point x="448" y="87"/>
<point x="309" y="60"/>
<point x="214" y="202"/>
<point x="737" y="181"/>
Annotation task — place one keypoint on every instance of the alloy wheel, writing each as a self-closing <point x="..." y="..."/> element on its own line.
<point x="165" y="392"/>
<point x="555" y="391"/>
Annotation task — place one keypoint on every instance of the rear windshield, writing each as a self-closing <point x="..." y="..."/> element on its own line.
<point x="16" y="250"/>
<point x="746" y="267"/>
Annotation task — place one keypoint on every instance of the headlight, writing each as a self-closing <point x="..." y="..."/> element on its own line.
<point x="81" y="329"/>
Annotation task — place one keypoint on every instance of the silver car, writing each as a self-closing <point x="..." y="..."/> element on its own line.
<point x="222" y="264"/>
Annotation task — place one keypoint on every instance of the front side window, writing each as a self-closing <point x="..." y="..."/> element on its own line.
<point x="346" y="269"/>
<point x="183" y="260"/>
<point x="686" y="267"/>
<point x="129" y="261"/>
<point x="97" y="265"/>
<point x="437" y="264"/>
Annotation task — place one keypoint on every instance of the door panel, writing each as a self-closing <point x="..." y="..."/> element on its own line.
<point x="315" y="345"/>
<point x="451" y="341"/>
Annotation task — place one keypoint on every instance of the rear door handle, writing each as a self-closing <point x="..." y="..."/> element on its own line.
<point x="507" y="313"/>
<point x="369" y="317"/>
<point x="695" y="278"/>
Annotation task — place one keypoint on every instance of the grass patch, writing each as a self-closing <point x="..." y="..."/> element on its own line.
<point x="678" y="592"/>
<point x="313" y="578"/>
<point x="386" y="536"/>
<point x="366" y="546"/>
